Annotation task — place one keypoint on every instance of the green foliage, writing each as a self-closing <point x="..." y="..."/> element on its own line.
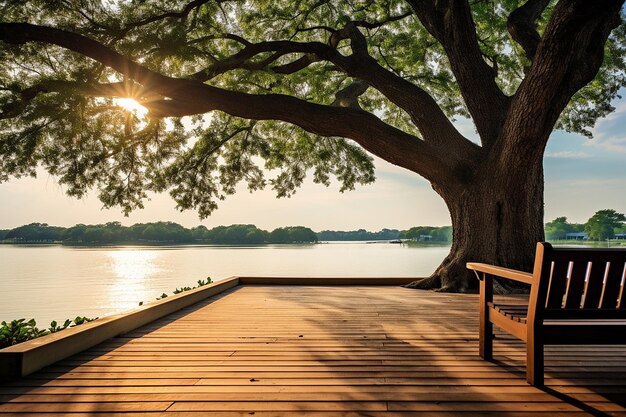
<point x="18" y="331"/>
<point x="355" y="235"/>
<point x="35" y="232"/>
<point x="54" y="327"/>
<point x="428" y="234"/>
<point x="22" y="330"/>
<point x="236" y="234"/>
<point x="86" y="141"/>
<point x="558" y="228"/>
<point x="603" y="223"/>
<point x="160" y="232"/>
<point x="296" y="234"/>
<point x="201" y="283"/>
<point x="81" y="320"/>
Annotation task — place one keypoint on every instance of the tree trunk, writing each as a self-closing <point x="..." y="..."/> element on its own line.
<point x="497" y="218"/>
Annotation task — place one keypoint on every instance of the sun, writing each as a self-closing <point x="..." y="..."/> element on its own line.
<point x="131" y="105"/>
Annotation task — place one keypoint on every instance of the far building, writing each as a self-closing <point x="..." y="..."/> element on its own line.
<point x="577" y="236"/>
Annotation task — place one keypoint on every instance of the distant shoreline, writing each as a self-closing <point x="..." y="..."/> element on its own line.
<point x="207" y="244"/>
<point x="170" y="233"/>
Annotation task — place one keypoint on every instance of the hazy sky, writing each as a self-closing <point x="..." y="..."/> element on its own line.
<point x="582" y="176"/>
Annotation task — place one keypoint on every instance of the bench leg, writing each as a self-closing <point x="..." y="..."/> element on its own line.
<point x="534" y="362"/>
<point x="485" y="341"/>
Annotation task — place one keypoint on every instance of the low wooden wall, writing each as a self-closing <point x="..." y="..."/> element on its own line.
<point x="333" y="281"/>
<point x="25" y="358"/>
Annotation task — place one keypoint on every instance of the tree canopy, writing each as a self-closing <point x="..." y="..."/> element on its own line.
<point x="310" y="87"/>
<point x="386" y="74"/>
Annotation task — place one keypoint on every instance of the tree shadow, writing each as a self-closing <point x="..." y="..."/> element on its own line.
<point x="365" y="350"/>
<point x="455" y="318"/>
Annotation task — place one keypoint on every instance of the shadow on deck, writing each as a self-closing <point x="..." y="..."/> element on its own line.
<point x="273" y="350"/>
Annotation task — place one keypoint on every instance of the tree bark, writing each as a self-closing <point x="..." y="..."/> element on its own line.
<point x="497" y="218"/>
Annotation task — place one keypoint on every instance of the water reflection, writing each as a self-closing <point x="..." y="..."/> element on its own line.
<point x="57" y="282"/>
<point x="132" y="270"/>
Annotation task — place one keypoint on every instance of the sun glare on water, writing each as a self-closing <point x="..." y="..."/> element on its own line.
<point x="131" y="105"/>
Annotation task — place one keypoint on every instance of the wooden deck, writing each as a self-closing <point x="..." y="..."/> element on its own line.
<point x="268" y="350"/>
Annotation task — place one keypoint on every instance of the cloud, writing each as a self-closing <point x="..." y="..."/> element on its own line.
<point x="609" y="132"/>
<point x="568" y="155"/>
<point x="614" y="143"/>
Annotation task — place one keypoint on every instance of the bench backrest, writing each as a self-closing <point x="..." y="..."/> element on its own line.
<point x="578" y="284"/>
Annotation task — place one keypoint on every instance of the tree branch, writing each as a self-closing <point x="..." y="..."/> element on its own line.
<point x="193" y="97"/>
<point x="567" y="58"/>
<point x="521" y="25"/>
<point x="425" y="113"/>
<point x="180" y="14"/>
<point x="451" y="23"/>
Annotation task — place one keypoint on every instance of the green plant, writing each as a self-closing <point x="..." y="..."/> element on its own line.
<point x="18" y="331"/>
<point x="81" y="320"/>
<point x="201" y="283"/>
<point x="54" y="328"/>
<point x="22" y="330"/>
<point x="183" y="289"/>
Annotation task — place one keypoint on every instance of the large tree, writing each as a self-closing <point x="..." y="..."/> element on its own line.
<point x="303" y="86"/>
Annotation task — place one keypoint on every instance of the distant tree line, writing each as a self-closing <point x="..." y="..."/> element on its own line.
<point x="604" y="224"/>
<point x="418" y="233"/>
<point x="173" y="233"/>
<point x="428" y="233"/>
<point x="355" y="235"/>
<point x="160" y="232"/>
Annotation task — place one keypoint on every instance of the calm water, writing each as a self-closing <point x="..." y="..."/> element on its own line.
<point x="58" y="282"/>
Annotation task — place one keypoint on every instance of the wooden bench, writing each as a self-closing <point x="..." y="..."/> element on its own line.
<point x="576" y="297"/>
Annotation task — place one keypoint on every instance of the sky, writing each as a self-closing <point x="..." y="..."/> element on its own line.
<point x="582" y="176"/>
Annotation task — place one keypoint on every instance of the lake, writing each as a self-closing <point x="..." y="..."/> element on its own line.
<point x="59" y="282"/>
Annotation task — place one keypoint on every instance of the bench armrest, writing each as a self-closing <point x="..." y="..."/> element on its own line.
<point x="498" y="271"/>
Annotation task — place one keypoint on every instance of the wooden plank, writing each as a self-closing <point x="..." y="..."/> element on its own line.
<point x="299" y="406"/>
<point x="558" y="285"/>
<point x="611" y="290"/>
<point x="74" y="407"/>
<point x="576" y="285"/>
<point x="354" y="395"/>
<point x="595" y="282"/>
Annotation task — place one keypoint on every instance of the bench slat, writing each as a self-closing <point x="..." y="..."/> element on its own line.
<point x="593" y="289"/>
<point x="558" y="285"/>
<point x="610" y="293"/>
<point x="576" y="284"/>
<point x="584" y="314"/>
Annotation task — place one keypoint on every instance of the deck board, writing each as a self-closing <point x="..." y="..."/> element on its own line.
<point x="271" y="350"/>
